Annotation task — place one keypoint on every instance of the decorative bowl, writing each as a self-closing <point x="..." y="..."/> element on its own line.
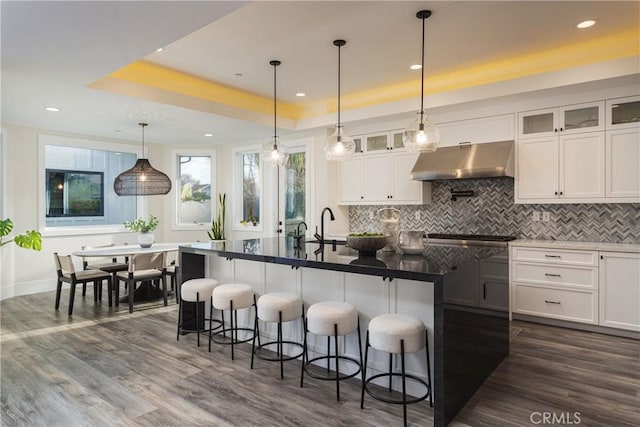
<point x="366" y="245"/>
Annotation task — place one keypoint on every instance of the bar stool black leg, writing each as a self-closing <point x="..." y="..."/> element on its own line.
<point x="210" y="319"/>
<point x="364" y="370"/>
<point x="390" y="370"/>
<point x="198" y="316"/>
<point x="335" y="340"/>
<point x="404" y="384"/>
<point x="256" y="332"/>
<point x="328" y="354"/>
<point x="232" y="329"/>
<point x="359" y="342"/>
<point x="429" y="370"/>
<point x="305" y="358"/>
<point x="280" y="345"/>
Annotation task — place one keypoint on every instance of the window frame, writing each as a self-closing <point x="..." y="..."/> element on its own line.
<point x="237" y="170"/>
<point x="175" y="155"/>
<point x="304" y="145"/>
<point x="3" y="173"/>
<point x="73" y="142"/>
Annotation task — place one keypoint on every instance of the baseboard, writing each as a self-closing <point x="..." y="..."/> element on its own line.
<point x="579" y="326"/>
<point x="27" y="288"/>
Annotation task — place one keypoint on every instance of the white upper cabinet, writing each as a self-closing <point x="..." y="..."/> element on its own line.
<point x="581" y="166"/>
<point x="537" y="176"/>
<point x="381" y="174"/>
<point x="623" y="113"/>
<point x="569" y="119"/>
<point x="623" y="163"/>
<point x="477" y="131"/>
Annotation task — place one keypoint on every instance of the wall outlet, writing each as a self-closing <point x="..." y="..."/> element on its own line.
<point x="371" y="215"/>
<point x="417" y="215"/>
<point x="546" y="216"/>
<point x="536" y="216"/>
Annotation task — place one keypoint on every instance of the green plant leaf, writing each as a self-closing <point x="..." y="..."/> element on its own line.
<point x="31" y="239"/>
<point x="6" y="225"/>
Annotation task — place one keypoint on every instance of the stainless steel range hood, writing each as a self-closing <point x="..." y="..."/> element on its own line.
<point x="494" y="159"/>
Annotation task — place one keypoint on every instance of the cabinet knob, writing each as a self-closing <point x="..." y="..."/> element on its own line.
<point x="391" y="197"/>
<point x="561" y="129"/>
<point x="561" y="193"/>
<point x="555" y="192"/>
<point x="390" y="148"/>
<point x="555" y="130"/>
<point x="362" y="197"/>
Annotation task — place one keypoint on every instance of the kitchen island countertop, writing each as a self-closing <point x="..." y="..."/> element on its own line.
<point x="430" y="266"/>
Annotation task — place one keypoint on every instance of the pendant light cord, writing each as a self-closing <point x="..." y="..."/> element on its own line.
<point x="339" y="46"/>
<point x="142" y="125"/>
<point x="422" y="80"/>
<point x="275" y="108"/>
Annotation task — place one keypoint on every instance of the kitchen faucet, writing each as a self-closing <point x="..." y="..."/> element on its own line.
<point x="297" y="236"/>
<point x="320" y="236"/>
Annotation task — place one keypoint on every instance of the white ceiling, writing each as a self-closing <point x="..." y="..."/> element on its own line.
<point x="51" y="51"/>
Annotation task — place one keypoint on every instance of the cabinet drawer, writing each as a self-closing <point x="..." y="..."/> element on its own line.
<point x="555" y="275"/>
<point x="555" y="256"/>
<point x="556" y="303"/>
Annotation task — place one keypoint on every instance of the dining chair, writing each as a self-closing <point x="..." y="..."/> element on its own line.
<point x="67" y="273"/>
<point x="173" y="264"/>
<point x="110" y="265"/>
<point x="144" y="267"/>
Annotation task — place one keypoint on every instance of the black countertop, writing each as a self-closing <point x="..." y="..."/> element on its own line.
<point x="432" y="265"/>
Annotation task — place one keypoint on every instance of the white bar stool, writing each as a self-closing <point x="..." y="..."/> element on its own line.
<point x="195" y="291"/>
<point x="232" y="297"/>
<point x="277" y="307"/>
<point x="331" y="318"/>
<point x="397" y="334"/>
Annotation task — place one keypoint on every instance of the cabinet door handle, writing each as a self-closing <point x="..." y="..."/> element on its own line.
<point x="391" y="148"/>
<point x="552" y="256"/>
<point x="561" y="129"/>
<point x="561" y="193"/>
<point x="555" y="193"/>
<point x="362" y="197"/>
<point x="552" y="302"/>
<point x="484" y="290"/>
<point x="551" y="275"/>
<point x="555" y="130"/>
<point x="391" y="196"/>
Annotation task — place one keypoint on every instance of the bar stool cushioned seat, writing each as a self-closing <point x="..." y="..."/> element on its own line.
<point x="277" y="307"/>
<point x="332" y="319"/>
<point x="197" y="291"/>
<point x="396" y="334"/>
<point x="233" y="297"/>
<point x="386" y="331"/>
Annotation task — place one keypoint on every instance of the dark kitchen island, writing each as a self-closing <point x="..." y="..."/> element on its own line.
<point x="460" y="292"/>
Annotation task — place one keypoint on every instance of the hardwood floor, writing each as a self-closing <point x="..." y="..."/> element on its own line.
<point x="105" y="367"/>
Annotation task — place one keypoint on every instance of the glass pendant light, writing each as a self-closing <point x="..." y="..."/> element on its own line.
<point x="272" y="153"/>
<point x="339" y="146"/>
<point x="421" y="135"/>
<point x="142" y="179"/>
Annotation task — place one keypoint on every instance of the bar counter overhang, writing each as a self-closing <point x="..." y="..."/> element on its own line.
<point x="470" y="329"/>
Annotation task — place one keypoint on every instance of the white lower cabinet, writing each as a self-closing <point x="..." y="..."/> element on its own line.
<point x="599" y="288"/>
<point x="620" y="290"/>
<point x="559" y="284"/>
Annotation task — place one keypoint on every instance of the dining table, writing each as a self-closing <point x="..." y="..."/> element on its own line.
<point x="146" y="291"/>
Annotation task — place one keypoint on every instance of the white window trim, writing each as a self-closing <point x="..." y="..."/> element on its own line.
<point x="3" y="172"/>
<point x="65" y="141"/>
<point x="237" y="189"/>
<point x="176" y="226"/>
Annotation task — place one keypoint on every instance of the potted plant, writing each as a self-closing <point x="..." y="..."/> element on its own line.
<point x="30" y="239"/>
<point x="217" y="226"/>
<point x="144" y="229"/>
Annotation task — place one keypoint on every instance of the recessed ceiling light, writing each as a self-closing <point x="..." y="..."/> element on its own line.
<point x="301" y="94"/>
<point x="208" y="134"/>
<point x="416" y="66"/>
<point x="586" y="24"/>
<point x="160" y="49"/>
<point x="54" y="109"/>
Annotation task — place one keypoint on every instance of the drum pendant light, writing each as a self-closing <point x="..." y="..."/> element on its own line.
<point x="272" y="153"/>
<point x="339" y="146"/>
<point x="142" y="179"/>
<point x="421" y="135"/>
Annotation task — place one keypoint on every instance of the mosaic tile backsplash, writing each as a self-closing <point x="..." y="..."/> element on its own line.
<point x="492" y="211"/>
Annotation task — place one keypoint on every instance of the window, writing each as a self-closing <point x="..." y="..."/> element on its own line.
<point x="196" y="198"/>
<point x="76" y="186"/>
<point x="3" y="168"/>
<point x="74" y="193"/>
<point x="295" y="194"/>
<point x="248" y="190"/>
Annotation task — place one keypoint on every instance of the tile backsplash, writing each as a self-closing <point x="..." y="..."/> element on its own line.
<point x="492" y="211"/>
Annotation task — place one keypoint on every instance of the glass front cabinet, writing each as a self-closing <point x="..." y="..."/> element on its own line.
<point x="569" y="119"/>
<point x="623" y="113"/>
